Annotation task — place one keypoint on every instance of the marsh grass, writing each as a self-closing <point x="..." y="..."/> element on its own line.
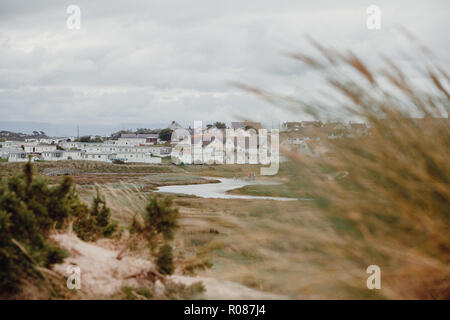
<point x="126" y="200"/>
<point x="386" y="194"/>
<point x="267" y="190"/>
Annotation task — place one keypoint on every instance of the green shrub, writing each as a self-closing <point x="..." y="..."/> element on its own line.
<point x="160" y="218"/>
<point x="94" y="223"/>
<point x="165" y="260"/>
<point x="29" y="209"/>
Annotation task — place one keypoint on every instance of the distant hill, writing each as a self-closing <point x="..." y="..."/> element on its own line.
<point x="9" y="135"/>
<point x="68" y="129"/>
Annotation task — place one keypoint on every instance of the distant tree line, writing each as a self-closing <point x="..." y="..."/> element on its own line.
<point x="88" y="139"/>
<point x="19" y="136"/>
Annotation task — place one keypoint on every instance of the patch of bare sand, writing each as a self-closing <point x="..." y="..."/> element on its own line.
<point x="102" y="275"/>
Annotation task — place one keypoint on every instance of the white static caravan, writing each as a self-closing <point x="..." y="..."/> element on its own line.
<point x="133" y="142"/>
<point x="74" y="155"/>
<point x="4" y="152"/>
<point x="56" y="155"/>
<point x="39" y="148"/>
<point x="94" y="149"/>
<point x="21" y="157"/>
<point x="12" y="144"/>
<point x="138" y="157"/>
<point x="160" y="151"/>
<point x="97" y="156"/>
<point x="59" y="155"/>
<point x="67" y="145"/>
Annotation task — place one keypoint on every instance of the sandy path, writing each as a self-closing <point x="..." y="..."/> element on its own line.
<point x="102" y="274"/>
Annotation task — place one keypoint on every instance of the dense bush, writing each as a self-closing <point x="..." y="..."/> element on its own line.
<point x="91" y="224"/>
<point x="160" y="218"/>
<point x="29" y="209"/>
<point x="159" y="221"/>
<point x="165" y="260"/>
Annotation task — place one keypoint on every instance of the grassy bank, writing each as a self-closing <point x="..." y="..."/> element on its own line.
<point x="273" y="246"/>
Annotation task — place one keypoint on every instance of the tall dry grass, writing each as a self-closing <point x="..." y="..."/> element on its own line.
<point x="127" y="201"/>
<point x="387" y="193"/>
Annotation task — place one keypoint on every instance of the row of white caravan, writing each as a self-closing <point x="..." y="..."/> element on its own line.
<point x="113" y="148"/>
<point x="108" y="151"/>
<point x="58" y="155"/>
<point x="121" y="142"/>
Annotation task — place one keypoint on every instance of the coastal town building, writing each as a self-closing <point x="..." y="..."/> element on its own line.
<point x="137" y="150"/>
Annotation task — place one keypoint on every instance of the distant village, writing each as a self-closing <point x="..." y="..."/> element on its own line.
<point x="150" y="148"/>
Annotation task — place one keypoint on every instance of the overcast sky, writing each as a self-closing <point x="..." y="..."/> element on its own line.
<point x="150" y="62"/>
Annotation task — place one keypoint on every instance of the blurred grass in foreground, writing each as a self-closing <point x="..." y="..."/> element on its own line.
<point x="387" y="194"/>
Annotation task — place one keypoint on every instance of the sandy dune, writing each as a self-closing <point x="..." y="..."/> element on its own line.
<point x="103" y="275"/>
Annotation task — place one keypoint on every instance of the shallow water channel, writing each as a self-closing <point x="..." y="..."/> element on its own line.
<point x="219" y="190"/>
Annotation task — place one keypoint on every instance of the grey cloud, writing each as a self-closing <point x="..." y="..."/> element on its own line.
<point x="153" y="61"/>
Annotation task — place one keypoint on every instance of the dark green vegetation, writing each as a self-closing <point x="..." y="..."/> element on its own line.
<point x="88" y="139"/>
<point x="160" y="220"/>
<point x="165" y="134"/>
<point x="165" y="260"/>
<point x="29" y="210"/>
<point x="90" y="224"/>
